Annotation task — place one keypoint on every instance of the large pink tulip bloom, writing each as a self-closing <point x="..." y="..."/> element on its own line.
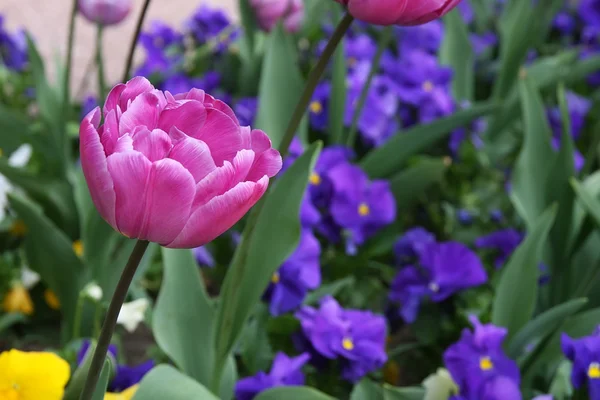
<point x="176" y="170"/>
<point x="398" y="12"/>
<point x="269" y="12"/>
<point x="105" y="12"/>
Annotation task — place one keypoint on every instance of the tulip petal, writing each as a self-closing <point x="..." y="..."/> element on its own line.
<point x="133" y="88"/>
<point x="130" y="172"/>
<point x="221" y="106"/>
<point x="171" y="190"/>
<point x="144" y="110"/>
<point x="188" y="117"/>
<point x="95" y="169"/>
<point x="221" y="134"/>
<point x="267" y="164"/>
<point x="195" y="156"/>
<point x="155" y="145"/>
<point x="219" y="214"/>
<point x="380" y="12"/>
<point x="110" y="133"/>
<point x="112" y="100"/>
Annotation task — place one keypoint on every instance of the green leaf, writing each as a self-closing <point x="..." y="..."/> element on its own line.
<point x="409" y="185"/>
<point x="391" y="156"/>
<point x="366" y="389"/>
<point x="8" y="320"/>
<point x="590" y="203"/>
<point x="165" y="382"/>
<point x="183" y="319"/>
<point x="561" y="387"/>
<point x="293" y="393"/>
<point x="402" y="393"/>
<point x="255" y="349"/>
<point x="529" y="180"/>
<point x="15" y="128"/>
<point x="337" y="99"/>
<point x="369" y="390"/>
<point x="280" y="86"/>
<point x="331" y="289"/>
<point x="102" y="384"/>
<point x="516" y="294"/>
<point x="457" y="53"/>
<point x="274" y="237"/>
<point x="543" y="325"/>
<point x="49" y="253"/>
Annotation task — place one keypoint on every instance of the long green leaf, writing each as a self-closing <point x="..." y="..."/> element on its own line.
<point x="280" y="86"/>
<point x="275" y="236"/>
<point x="391" y="156"/>
<point x="293" y="393"/>
<point x="183" y="319"/>
<point x="49" y="253"/>
<point x="337" y="99"/>
<point x="165" y="382"/>
<point x="409" y="185"/>
<point x="543" y="325"/>
<point x="516" y="294"/>
<point x="102" y="384"/>
<point x="457" y="52"/>
<point x="587" y="200"/>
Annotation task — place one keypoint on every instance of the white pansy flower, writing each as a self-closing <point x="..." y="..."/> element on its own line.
<point x="29" y="278"/>
<point x="132" y="314"/>
<point x="439" y="386"/>
<point x="18" y="159"/>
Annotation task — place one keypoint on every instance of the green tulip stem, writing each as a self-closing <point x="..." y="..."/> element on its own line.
<point x="69" y="60"/>
<point x="134" y="41"/>
<point x="100" y="62"/>
<point x="110" y="321"/>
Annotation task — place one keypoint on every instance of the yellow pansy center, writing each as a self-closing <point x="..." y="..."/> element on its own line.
<point x="428" y="86"/>
<point x="594" y="370"/>
<point x="18" y="300"/>
<point x="315" y="179"/>
<point x="351" y="61"/>
<point x="51" y="299"/>
<point x="485" y="364"/>
<point x="348" y="344"/>
<point x="78" y="248"/>
<point x="275" y="278"/>
<point x="363" y="209"/>
<point x="316" y="107"/>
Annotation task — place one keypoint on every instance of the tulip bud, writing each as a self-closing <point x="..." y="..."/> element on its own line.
<point x="269" y="12"/>
<point x="175" y="170"/>
<point x="398" y="12"/>
<point x="105" y="12"/>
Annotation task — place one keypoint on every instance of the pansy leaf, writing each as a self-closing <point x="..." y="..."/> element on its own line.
<point x="516" y="293"/>
<point x="293" y="393"/>
<point x="412" y="183"/>
<point x="165" y="382"/>
<point x="337" y="99"/>
<point x="457" y="52"/>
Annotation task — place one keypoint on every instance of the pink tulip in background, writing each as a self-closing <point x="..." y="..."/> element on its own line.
<point x="105" y="12"/>
<point x="176" y="170"/>
<point x="269" y="12"/>
<point x="398" y="12"/>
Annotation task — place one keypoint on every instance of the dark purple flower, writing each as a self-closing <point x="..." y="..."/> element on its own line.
<point x="245" y="110"/>
<point x="589" y="12"/>
<point x="482" y="42"/>
<point x="496" y="216"/>
<point x="427" y="37"/>
<point x="444" y="269"/>
<point x="203" y="257"/>
<point x="564" y="22"/>
<point x="578" y="108"/>
<point x="296" y="149"/>
<point x="319" y="106"/>
<point x="408" y="248"/>
<point x="320" y="184"/>
<point x="13" y="48"/>
<point x="87" y="105"/>
<point x="300" y="273"/>
<point x="359" y="206"/>
<point x="164" y="50"/>
<point x="360" y="47"/>
<point x="585" y="355"/>
<point x="209" y="23"/>
<point x="181" y="83"/>
<point x="480" y="367"/>
<point x="466" y="11"/>
<point x="465" y="217"/>
<point x="356" y="338"/>
<point x="125" y="376"/>
<point x="504" y="241"/>
<point x="578" y="159"/>
<point x="285" y="371"/>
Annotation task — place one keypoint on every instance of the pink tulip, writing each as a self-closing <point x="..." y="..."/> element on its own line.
<point x="176" y="170"/>
<point x="269" y="12"/>
<point x="398" y="12"/>
<point x="105" y="12"/>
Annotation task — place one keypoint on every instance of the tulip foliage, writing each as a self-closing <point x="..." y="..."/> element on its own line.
<point x="350" y="199"/>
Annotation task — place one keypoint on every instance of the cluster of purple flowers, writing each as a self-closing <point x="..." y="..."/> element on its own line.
<point x="13" y="48"/>
<point x="431" y="270"/>
<point x="584" y="353"/>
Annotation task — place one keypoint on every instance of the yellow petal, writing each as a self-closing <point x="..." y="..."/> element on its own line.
<point x="18" y="300"/>
<point x="124" y="395"/>
<point x="32" y="375"/>
<point x="51" y="299"/>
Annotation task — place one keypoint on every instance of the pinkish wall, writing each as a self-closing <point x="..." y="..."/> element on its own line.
<point x="47" y="20"/>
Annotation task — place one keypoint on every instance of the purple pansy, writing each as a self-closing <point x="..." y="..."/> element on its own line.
<point x="300" y="273"/>
<point x="408" y="248"/>
<point x="164" y="49"/>
<point x="443" y="270"/>
<point x="584" y="353"/>
<point x="181" y="83"/>
<point x="125" y="376"/>
<point x="13" y="48"/>
<point x="320" y="184"/>
<point x="480" y="367"/>
<point x="285" y="371"/>
<point x="203" y="257"/>
<point x="318" y="108"/>
<point x="427" y="37"/>
<point x="578" y="108"/>
<point x="589" y="12"/>
<point x="359" y="206"/>
<point x="355" y="338"/>
<point x="245" y="110"/>
<point x="87" y="105"/>
<point x="209" y="23"/>
<point x="359" y="47"/>
<point x="504" y="241"/>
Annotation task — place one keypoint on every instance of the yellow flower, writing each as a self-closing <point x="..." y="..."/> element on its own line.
<point x="125" y="395"/>
<point x="51" y="299"/>
<point x="18" y="300"/>
<point x="78" y="248"/>
<point x="32" y="376"/>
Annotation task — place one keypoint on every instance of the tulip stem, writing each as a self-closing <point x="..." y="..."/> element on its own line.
<point x="384" y="41"/>
<point x="100" y="63"/>
<point x="313" y="80"/>
<point x="134" y="41"/>
<point x="110" y="320"/>
<point x="69" y="60"/>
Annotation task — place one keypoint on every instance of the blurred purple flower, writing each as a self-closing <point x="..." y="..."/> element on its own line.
<point x="584" y="353"/>
<point x="87" y="105"/>
<point x="181" y="83"/>
<point x="409" y="247"/>
<point x="13" y="48"/>
<point x="578" y="108"/>
<point x="480" y="367"/>
<point x="164" y="49"/>
<point x="589" y="12"/>
<point x="203" y="257"/>
<point x="209" y="23"/>
<point x="427" y="37"/>
<point x="355" y="338"/>
<point x="319" y="106"/>
<point x="504" y="241"/>
<point x="300" y="273"/>
<point x="359" y="47"/>
<point x="285" y="371"/>
<point x="245" y="110"/>
<point x="444" y="269"/>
